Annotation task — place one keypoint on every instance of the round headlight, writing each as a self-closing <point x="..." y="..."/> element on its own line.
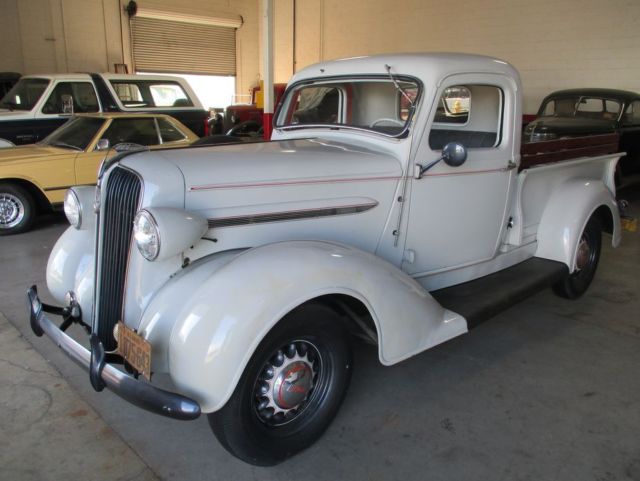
<point x="146" y="235"/>
<point x="73" y="209"/>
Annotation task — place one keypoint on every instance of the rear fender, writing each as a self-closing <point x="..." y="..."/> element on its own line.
<point x="224" y="307"/>
<point x="567" y="212"/>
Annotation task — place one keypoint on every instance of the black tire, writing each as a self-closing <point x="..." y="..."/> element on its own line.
<point x="263" y="430"/>
<point x="17" y="209"/>
<point x="576" y="283"/>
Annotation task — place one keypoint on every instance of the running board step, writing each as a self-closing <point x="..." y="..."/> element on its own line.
<point x="483" y="298"/>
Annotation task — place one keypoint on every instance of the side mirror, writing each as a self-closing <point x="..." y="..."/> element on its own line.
<point x="67" y="105"/>
<point x="103" y="144"/>
<point x="454" y="154"/>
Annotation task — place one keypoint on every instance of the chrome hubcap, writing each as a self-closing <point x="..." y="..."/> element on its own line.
<point x="286" y="383"/>
<point x="583" y="255"/>
<point x="11" y="211"/>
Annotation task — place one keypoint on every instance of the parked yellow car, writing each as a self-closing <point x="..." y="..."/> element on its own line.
<point x="34" y="178"/>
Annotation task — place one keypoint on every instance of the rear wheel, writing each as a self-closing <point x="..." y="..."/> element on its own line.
<point x="290" y="390"/>
<point x="17" y="209"/>
<point x="576" y="283"/>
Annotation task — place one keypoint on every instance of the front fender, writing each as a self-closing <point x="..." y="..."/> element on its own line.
<point x="215" y="315"/>
<point x="71" y="268"/>
<point x="567" y="212"/>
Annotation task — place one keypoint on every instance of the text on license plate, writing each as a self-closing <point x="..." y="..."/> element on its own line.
<point x="134" y="349"/>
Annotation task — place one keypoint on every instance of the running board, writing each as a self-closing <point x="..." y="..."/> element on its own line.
<point x="483" y="298"/>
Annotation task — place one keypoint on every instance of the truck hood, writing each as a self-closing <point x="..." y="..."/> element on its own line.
<point x="570" y="126"/>
<point x="259" y="193"/>
<point x="31" y="153"/>
<point x="280" y="163"/>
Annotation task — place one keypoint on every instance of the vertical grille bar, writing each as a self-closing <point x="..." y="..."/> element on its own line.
<point x="120" y="204"/>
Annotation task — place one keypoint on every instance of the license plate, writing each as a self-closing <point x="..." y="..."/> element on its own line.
<point x="134" y="349"/>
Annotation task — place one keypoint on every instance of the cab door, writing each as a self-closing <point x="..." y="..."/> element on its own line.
<point x="457" y="215"/>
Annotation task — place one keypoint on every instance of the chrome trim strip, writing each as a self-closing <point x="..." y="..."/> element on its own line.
<point x="61" y="187"/>
<point x="241" y="185"/>
<point x="289" y="215"/>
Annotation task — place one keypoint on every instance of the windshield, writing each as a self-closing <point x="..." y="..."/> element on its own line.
<point x="75" y="134"/>
<point x="25" y="94"/>
<point x="582" y="106"/>
<point x="371" y="104"/>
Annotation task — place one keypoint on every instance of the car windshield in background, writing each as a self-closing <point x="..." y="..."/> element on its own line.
<point x="583" y="107"/>
<point x="76" y="134"/>
<point x="371" y="104"/>
<point x="25" y="94"/>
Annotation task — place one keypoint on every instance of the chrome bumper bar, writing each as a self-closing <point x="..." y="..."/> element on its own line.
<point x="139" y="393"/>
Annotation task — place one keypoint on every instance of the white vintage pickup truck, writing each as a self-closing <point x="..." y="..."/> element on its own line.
<point x="392" y="203"/>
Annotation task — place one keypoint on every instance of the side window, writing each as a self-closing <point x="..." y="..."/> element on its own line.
<point x="168" y="132"/>
<point x="83" y="94"/>
<point x="169" y="95"/>
<point x="138" y="131"/>
<point x="596" y="108"/>
<point x="632" y="114"/>
<point x="453" y="107"/>
<point x="468" y="114"/>
<point x="129" y="94"/>
<point x="151" y="93"/>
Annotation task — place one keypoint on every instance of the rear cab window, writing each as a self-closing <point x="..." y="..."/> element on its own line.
<point x="144" y="94"/>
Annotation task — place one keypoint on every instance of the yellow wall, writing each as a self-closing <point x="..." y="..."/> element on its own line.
<point x="60" y="36"/>
<point x="554" y="43"/>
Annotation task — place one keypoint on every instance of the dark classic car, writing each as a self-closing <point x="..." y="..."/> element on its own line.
<point x="578" y="112"/>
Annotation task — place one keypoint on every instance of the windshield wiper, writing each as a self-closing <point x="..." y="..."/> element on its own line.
<point x="397" y="86"/>
<point x="64" y="145"/>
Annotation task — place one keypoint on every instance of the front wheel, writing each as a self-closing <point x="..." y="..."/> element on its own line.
<point x="576" y="283"/>
<point x="17" y="209"/>
<point x="290" y="390"/>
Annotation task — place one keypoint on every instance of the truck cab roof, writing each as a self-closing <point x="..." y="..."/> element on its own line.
<point x="424" y="66"/>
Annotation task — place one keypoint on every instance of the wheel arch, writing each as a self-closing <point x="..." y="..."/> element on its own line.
<point x="566" y="214"/>
<point x="230" y="304"/>
<point x="39" y="197"/>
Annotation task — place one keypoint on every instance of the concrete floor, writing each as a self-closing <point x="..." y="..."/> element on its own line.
<point x="548" y="390"/>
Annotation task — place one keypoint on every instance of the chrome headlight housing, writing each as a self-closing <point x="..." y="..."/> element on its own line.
<point x="73" y="208"/>
<point x="146" y="234"/>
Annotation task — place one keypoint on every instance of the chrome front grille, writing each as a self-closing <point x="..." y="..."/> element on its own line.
<point x="120" y="203"/>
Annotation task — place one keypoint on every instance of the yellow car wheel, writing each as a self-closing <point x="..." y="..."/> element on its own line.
<point x="17" y="209"/>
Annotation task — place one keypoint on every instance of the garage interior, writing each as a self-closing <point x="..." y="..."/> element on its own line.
<point x="547" y="390"/>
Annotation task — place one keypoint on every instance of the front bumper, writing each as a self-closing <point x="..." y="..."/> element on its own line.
<point x="139" y="393"/>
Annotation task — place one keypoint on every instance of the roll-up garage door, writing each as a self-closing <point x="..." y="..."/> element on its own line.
<point x="162" y="45"/>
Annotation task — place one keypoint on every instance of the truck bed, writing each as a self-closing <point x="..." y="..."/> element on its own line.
<point x="535" y="153"/>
